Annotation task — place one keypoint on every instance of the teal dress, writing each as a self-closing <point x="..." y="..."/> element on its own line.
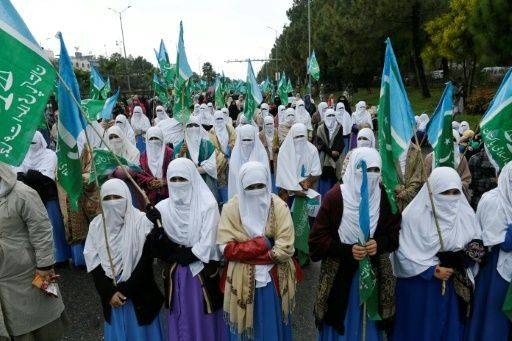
<point x="206" y="149"/>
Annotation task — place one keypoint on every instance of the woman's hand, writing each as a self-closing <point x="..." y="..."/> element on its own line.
<point x="371" y="247"/>
<point x="359" y="252"/>
<point x="117" y="300"/>
<point x="443" y="273"/>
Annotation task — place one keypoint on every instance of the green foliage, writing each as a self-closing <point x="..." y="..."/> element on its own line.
<point x="115" y="67"/>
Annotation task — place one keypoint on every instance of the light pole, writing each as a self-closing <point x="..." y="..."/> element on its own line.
<point x="275" y="53"/>
<point x="120" y="13"/>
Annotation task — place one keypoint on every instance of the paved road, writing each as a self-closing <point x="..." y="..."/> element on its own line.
<point x="84" y="309"/>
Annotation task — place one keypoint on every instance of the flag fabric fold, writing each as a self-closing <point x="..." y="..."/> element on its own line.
<point x="282" y="89"/>
<point x="313" y="67"/>
<point x="69" y="126"/>
<point x="496" y="125"/>
<point x="253" y="96"/>
<point x="26" y="80"/>
<point x="166" y="68"/>
<point x="395" y="122"/>
<point x="439" y="130"/>
<point x="105" y="164"/>
<point x="97" y="84"/>
<point x="182" y="85"/>
<point x="219" y="93"/>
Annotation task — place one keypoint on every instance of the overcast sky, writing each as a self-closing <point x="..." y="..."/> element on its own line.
<point x="215" y="30"/>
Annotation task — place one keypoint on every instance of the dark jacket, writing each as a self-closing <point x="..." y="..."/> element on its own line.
<point x="141" y="288"/>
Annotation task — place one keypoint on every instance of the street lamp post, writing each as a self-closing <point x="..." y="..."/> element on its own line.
<point x="275" y="53"/>
<point x="120" y="13"/>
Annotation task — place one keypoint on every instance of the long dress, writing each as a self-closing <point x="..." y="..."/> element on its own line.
<point x="488" y="322"/>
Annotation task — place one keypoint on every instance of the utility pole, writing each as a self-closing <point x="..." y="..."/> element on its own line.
<point x="309" y="44"/>
<point x="275" y="54"/>
<point x="120" y="13"/>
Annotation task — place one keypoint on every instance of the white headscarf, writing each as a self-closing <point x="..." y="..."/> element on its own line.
<point x="39" y="158"/>
<point x="281" y="113"/>
<point x="139" y="121"/>
<point x="264" y="110"/>
<point x="330" y="121"/>
<point x="193" y="138"/>
<point x="227" y="119"/>
<point x="269" y="131"/>
<point x="161" y="115"/>
<point x="349" y="230"/>
<point x="455" y="125"/>
<point x="190" y="215"/>
<point x="361" y="115"/>
<point x="155" y="150"/>
<point x="127" y="228"/>
<point x="494" y="213"/>
<point x="196" y="109"/>
<point x="245" y="151"/>
<point x="343" y="118"/>
<point x="368" y="133"/>
<point x="297" y="159"/>
<point x="205" y="115"/>
<point x="220" y="130"/>
<point x="121" y="146"/>
<point x="419" y="240"/>
<point x="126" y="128"/>
<point x="302" y="115"/>
<point x="172" y="130"/>
<point x="254" y="207"/>
<point x="290" y="117"/>
<point x="423" y="121"/>
<point x="322" y="107"/>
<point x="464" y="125"/>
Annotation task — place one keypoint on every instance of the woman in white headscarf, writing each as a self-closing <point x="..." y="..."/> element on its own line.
<point x="269" y="137"/>
<point x="248" y="147"/>
<point x="338" y="240"/>
<point x="223" y="137"/>
<point x="281" y="113"/>
<point x="197" y="147"/>
<point x="173" y="131"/>
<point x="329" y="141"/>
<point x="365" y="138"/>
<point x="298" y="169"/>
<point x="303" y="116"/>
<point x="361" y="117"/>
<point x="187" y="242"/>
<point x="154" y="162"/>
<point x="345" y="120"/>
<point x="286" y="124"/>
<point x="494" y="215"/>
<point x="123" y="273"/>
<point x="434" y="290"/>
<point x="423" y="122"/>
<point x="256" y="237"/>
<point x="464" y="125"/>
<point x="161" y="115"/>
<point x="122" y="122"/>
<point x="227" y="118"/>
<point x="140" y="124"/>
<point x="38" y="170"/>
<point x="205" y="117"/>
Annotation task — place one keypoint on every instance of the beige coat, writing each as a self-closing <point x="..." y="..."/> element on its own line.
<point x="26" y="241"/>
<point x="221" y="158"/>
<point x="413" y="179"/>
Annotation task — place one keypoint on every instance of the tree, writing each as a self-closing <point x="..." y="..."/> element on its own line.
<point x="451" y="38"/>
<point x="140" y="71"/>
<point x="208" y="73"/>
<point x="491" y="26"/>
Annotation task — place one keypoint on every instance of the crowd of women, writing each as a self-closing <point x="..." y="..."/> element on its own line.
<point x="236" y="205"/>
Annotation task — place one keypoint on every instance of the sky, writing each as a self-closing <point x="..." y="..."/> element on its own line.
<point x="214" y="30"/>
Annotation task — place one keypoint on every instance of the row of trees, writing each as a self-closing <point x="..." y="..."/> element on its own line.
<point x="348" y="38"/>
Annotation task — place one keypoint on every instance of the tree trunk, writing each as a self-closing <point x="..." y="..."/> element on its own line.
<point x="416" y="48"/>
<point x="446" y="69"/>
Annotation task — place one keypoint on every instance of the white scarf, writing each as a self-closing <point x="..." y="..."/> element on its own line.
<point x="172" y="129"/>
<point x="419" y="240"/>
<point x="205" y="115"/>
<point x="362" y="116"/>
<point x="349" y="230"/>
<point x="370" y="136"/>
<point x="269" y="132"/>
<point x="220" y="130"/>
<point x="139" y="121"/>
<point x="155" y="150"/>
<point x="422" y="122"/>
<point x="281" y="113"/>
<point x="190" y="215"/>
<point x="126" y="128"/>
<point x="122" y="147"/>
<point x="343" y="118"/>
<point x="245" y="151"/>
<point x="161" y="115"/>
<point x="494" y="213"/>
<point x="39" y="158"/>
<point x="193" y="139"/>
<point x="302" y="115"/>
<point x="254" y="206"/>
<point x="322" y="107"/>
<point x="330" y="122"/>
<point x="127" y="228"/>
<point x="296" y="160"/>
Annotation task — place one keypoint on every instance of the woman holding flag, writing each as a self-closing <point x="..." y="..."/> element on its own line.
<point x="438" y="241"/>
<point x="348" y="239"/>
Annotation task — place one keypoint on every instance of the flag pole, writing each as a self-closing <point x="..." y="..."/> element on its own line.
<point x="363" y="332"/>
<point x="431" y="199"/>
<point x="143" y="194"/>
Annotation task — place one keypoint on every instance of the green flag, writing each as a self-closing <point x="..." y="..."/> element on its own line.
<point x="289" y="87"/>
<point x="282" y="89"/>
<point x="219" y="93"/>
<point x="313" y="67"/>
<point x="26" y="81"/>
<point x="105" y="164"/>
<point x="161" y="90"/>
<point x="395" y="122"/>
<point x="106" y="90"/>
<point x="92" y="108"/>
<point x="253" y="97"/>
<point x="182" y="85"/>
<point x="439" y="130"/>
<point x="166" y="68"/>
<point x="496" y="124"/>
